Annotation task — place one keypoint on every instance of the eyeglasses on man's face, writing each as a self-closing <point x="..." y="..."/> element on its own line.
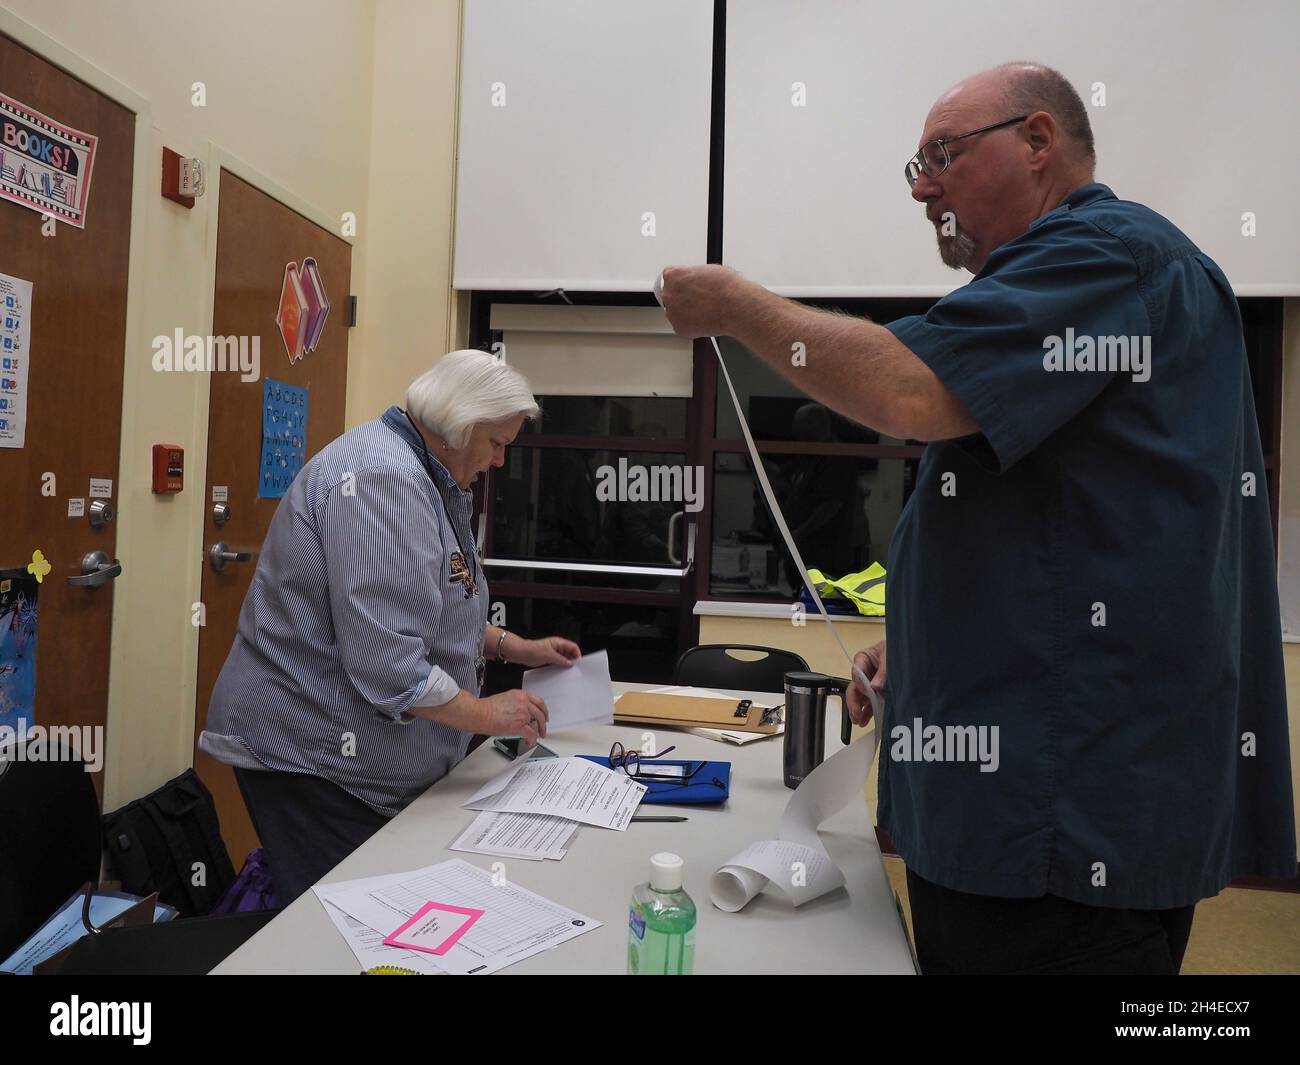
<point x="933" y="158"/>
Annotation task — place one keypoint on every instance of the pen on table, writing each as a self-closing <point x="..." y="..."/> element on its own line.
<point x="660" y="819"/>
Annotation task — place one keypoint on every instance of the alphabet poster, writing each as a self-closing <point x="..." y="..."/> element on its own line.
<point x="284" y="437"/>
<point x="15" y="354"/>
<point x="44" y="164"/>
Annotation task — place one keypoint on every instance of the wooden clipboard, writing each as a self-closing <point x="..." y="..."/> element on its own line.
<point x="688" y="711"/>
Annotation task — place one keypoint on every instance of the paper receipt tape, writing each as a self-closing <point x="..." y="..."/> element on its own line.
<point x="777" y="516"/>
<point x="797" y="862"/>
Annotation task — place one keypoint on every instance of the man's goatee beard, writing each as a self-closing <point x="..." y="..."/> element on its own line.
<point x="956" y="251"/>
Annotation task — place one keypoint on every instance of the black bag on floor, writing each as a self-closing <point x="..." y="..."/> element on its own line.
<point x="170" y="842"/>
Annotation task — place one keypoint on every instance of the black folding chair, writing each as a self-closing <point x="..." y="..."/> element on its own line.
<point x="711" y="665"/>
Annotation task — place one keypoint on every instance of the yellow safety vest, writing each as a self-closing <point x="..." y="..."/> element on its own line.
<point x="864" y="589"/>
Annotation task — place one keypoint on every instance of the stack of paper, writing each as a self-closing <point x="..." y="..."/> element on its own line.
<point x="532" y="808"/>
<point x="571" y="788"/>
<point x="532" y="836"/>
<point x="452" y="917"/>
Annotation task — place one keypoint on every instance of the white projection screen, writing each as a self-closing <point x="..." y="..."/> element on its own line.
<point x="578" y="119"/>
<point x="1200" y="123"/>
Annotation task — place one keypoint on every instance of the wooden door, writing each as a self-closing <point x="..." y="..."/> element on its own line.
<point x="256" y="236"/>
<point x="74" y="393"/>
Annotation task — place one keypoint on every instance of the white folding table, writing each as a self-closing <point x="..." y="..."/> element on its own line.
<point x="853" y="930"/>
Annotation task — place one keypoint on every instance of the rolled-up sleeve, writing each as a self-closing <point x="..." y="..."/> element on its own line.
<point x="383" y="555"/>
<point x="438" y="689"/>
<point x="987" y="340"/>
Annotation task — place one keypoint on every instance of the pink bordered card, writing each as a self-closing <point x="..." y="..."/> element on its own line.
<point x="435" y="928"/>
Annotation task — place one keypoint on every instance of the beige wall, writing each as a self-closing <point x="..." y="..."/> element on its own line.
<point x="1291" y="659"/>
<point x="1289" y="527"/>
<point x="404" y="324"/>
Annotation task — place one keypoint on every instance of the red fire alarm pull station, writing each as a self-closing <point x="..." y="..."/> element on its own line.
<point x="168" y="468"/>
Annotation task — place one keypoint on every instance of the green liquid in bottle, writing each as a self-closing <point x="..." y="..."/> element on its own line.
<point x="661" y="923"/>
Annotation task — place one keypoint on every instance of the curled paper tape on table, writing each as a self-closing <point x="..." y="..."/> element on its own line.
<point x="797" y="862"/>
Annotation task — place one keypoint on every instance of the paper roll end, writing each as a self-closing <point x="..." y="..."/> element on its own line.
<point x="727" y="891"/>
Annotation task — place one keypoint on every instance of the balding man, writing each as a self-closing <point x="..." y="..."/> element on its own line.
<point x="1083" y="579"/>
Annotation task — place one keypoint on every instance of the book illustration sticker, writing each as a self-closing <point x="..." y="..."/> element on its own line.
<point x="318" y="304"/>
<point x="304" y="306"/>
<point x="291" y="318"/>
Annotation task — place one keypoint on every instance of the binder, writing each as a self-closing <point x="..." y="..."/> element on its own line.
<point x="687" y="711"/>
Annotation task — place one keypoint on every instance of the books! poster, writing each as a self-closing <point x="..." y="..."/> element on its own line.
<point x="45" y="165"/>
<point x="284" y="437"/>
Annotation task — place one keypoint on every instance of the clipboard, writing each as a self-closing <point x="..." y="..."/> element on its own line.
<point x="688" y="711"/>
<point x="138" y="913"/>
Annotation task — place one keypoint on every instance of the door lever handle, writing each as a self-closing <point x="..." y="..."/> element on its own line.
<point x="96" y="569"/>
<point x="219" y="554"/>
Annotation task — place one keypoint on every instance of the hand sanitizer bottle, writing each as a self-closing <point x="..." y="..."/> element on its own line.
<point x="661" y="922"/>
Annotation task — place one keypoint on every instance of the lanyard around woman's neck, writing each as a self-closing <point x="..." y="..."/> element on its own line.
<point x="471" y="557"/>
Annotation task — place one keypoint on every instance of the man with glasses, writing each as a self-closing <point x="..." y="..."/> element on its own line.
<point x="1085" y="568"/>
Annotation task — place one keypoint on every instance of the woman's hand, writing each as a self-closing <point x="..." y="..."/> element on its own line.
<point x="548" y="651"/>
<point x="872" y="663"/>
<point x="514" y="713"/>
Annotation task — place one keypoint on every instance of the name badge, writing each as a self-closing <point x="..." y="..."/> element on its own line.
<point x="460" y="573"/>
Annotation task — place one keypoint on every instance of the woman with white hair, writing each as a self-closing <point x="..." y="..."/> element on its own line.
<point x="353" y="682"/>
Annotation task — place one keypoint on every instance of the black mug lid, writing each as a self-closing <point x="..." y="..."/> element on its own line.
<point x="807" y="680"/>
<point x="816" y="680"/>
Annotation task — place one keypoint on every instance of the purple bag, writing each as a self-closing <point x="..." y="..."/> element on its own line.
<point x="252" y="890"/>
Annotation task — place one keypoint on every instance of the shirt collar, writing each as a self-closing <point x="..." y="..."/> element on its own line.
<point x="395" y="418"/>
<point x="1093" y="192"/>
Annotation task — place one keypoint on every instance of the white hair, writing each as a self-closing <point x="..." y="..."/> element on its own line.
<point x="467" y="387"/>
